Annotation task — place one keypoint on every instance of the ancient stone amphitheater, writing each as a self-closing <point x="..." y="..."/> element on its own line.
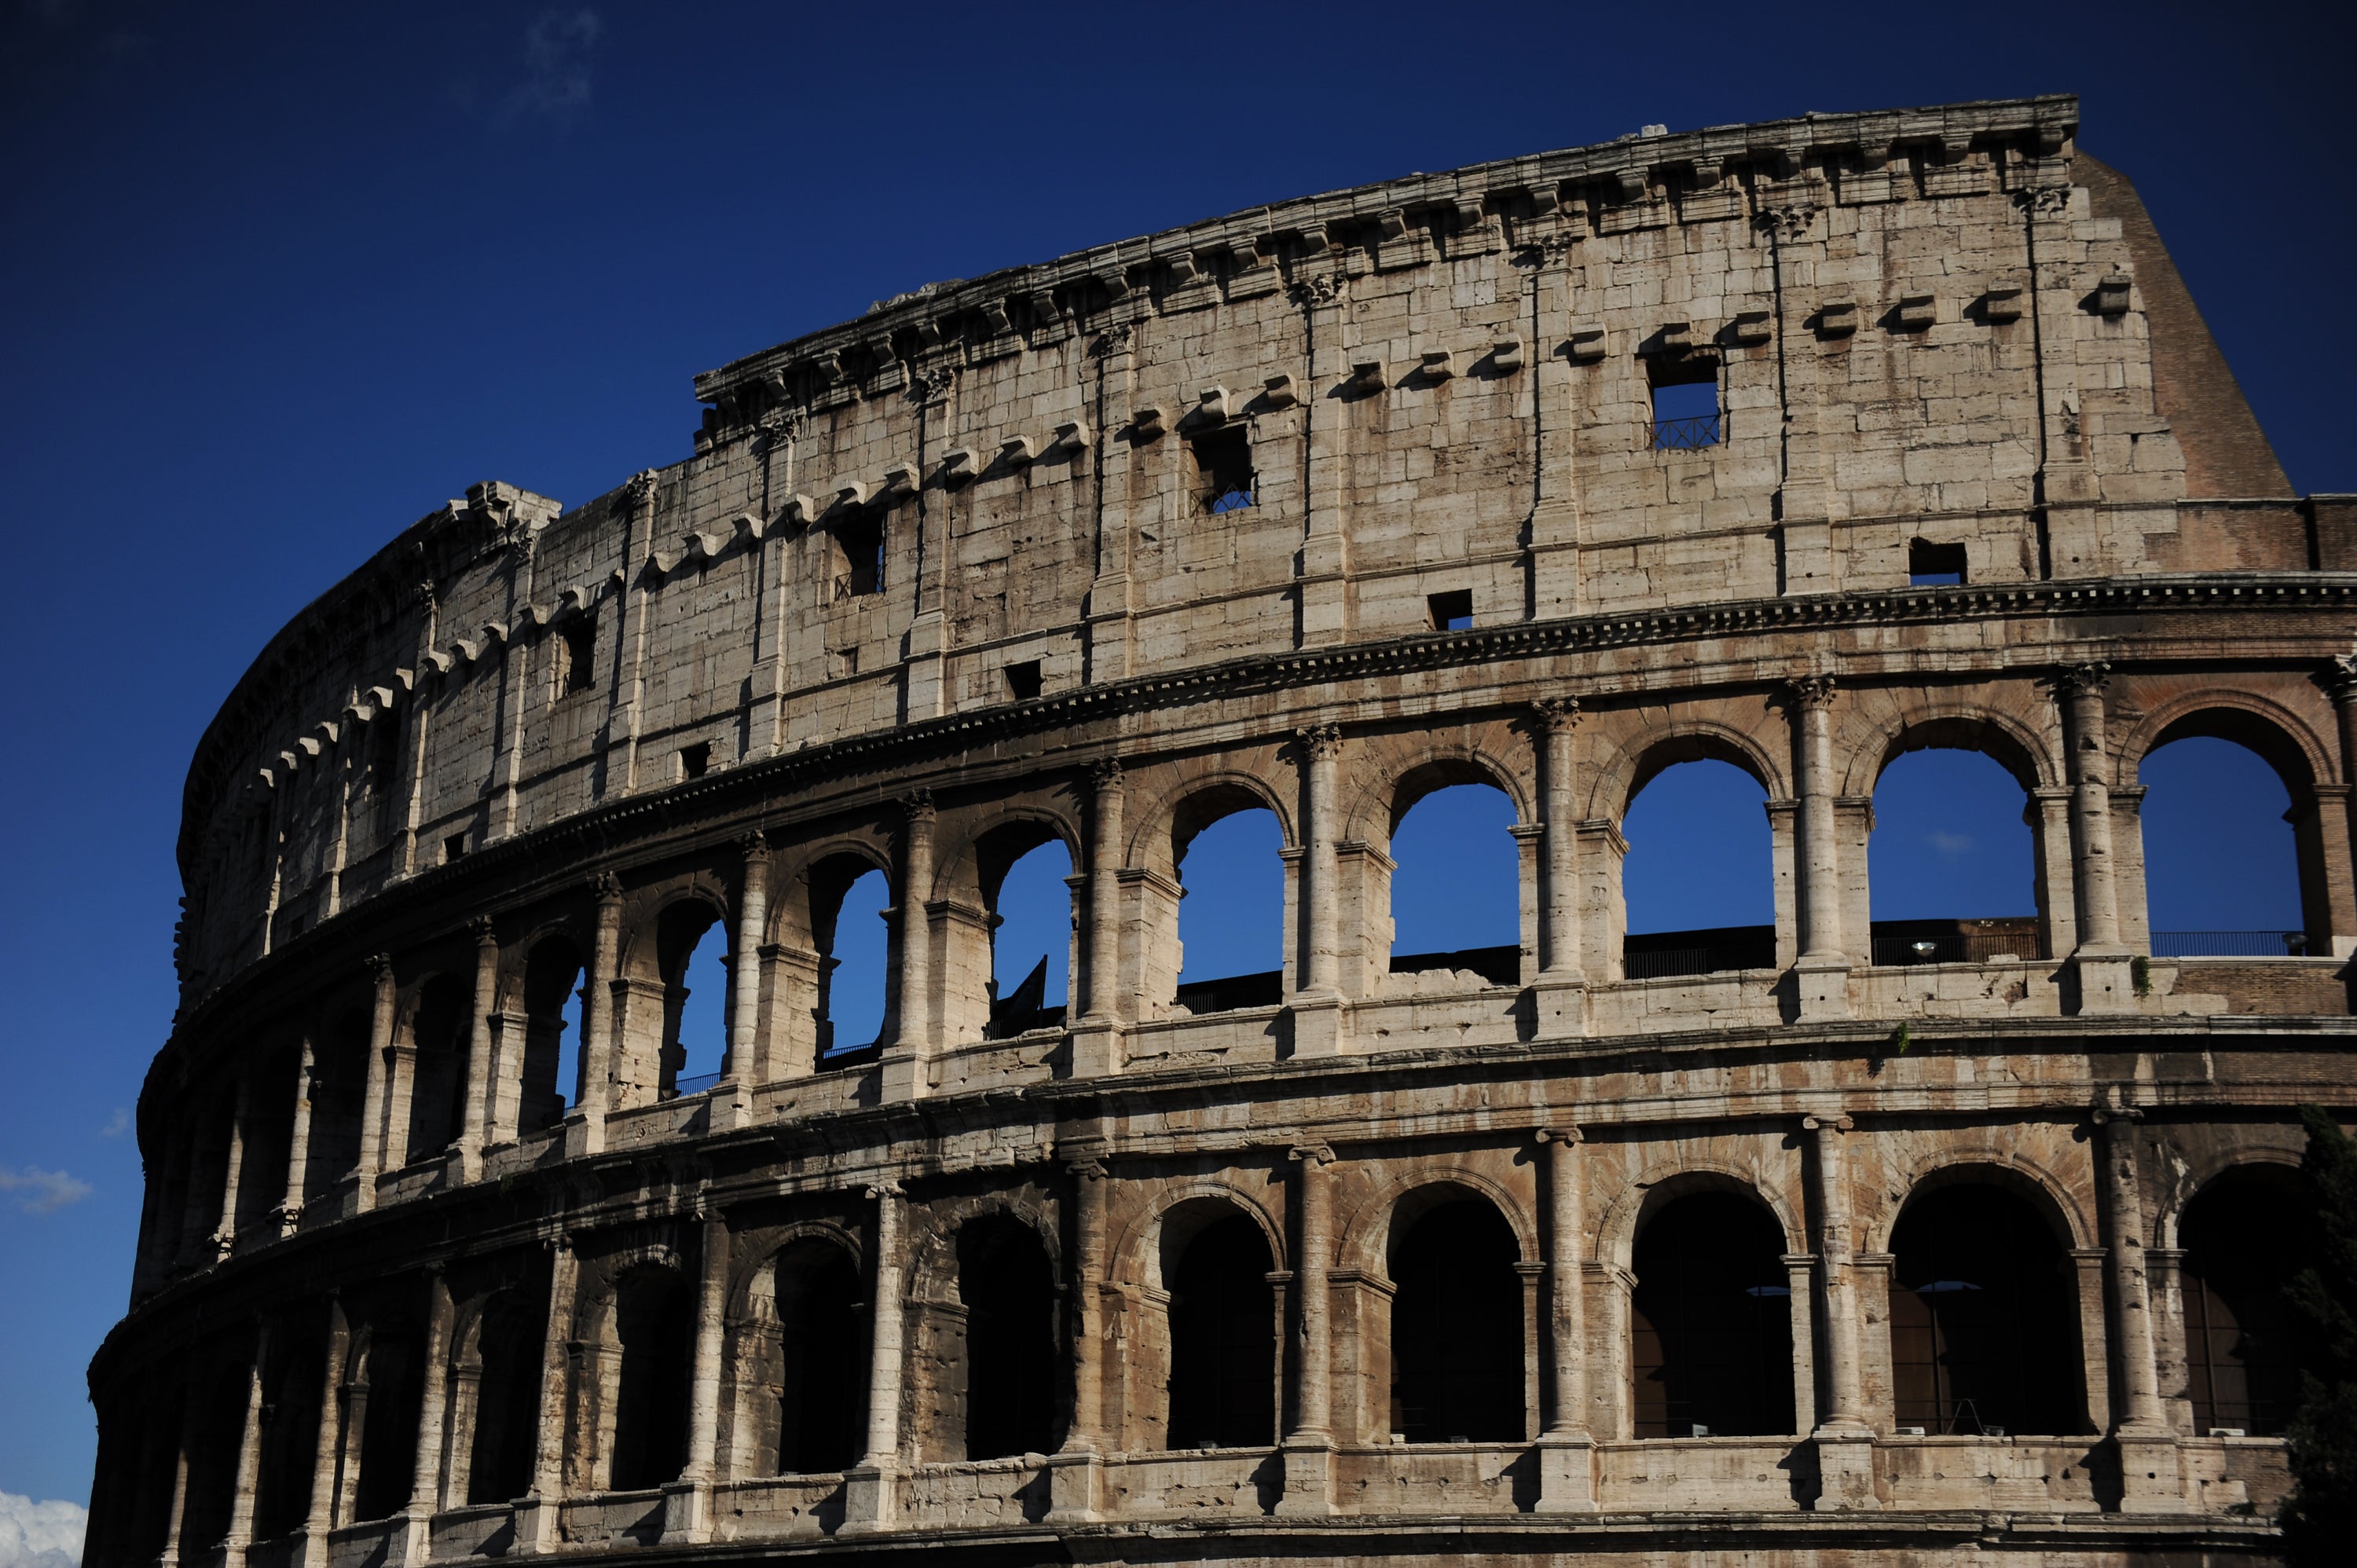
<point x="1821" y="1243"/>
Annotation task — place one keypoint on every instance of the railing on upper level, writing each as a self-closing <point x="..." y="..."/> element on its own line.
<point x="1680" y="434"/>
<point x="1663" y="955"/>
<point x="2003" y="939"/>
<point x="2230" y="944"/>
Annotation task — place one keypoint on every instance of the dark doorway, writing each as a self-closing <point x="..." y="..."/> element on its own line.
<point x="507" y="1401"/>
<point x="654" y="1319"/>
<point x="291" y="1378"/>
<point x="1984" y="1330"/>
<point x="2242" y="1240"/>
<point x="1011" y="1376"/>
<point x="397" y="1384"/>
<point x="1712" y="1325"/>
<point x="1457" y="1327"/>
<point x="824" y="1359"/>
<point x="1223" y="1340"/>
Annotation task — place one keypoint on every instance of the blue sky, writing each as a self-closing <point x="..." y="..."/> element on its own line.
<point x="281" y="278"/>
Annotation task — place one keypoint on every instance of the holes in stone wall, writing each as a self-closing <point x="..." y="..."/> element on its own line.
<point x="1711" y="1320"/>
<point x="440" y="1030"/>
<point x="1698" y="882"/>
<point x="859" y="555"/>
<point x="1684" y="390"/>
<point x="1223" y="1338"/>
<point x="1009" y="1292"/>
<point x="655" y="1329"/>
<point x="1023" y="680"/>
<point x="696" y="760"/>
<point x="1455" y="885"/>
<point x="506" y="1360"/>
<point x="394" y="1372"/>
<point x="1456" y="1327"/>
<point x="849" y="900"/>
<point x="1231" y="919"/>
<point x="2233" y="861"/>
<point x="691" y="949"/>
<point x="1952" y="863"/>
<point x="2243" y="1239"/>
<point x="1223" y="469"/>
<point x="820" y="1370"/>
<point x="1932" y="566"/>
<point x="552" y="1045"/>
<point x="1451" y="611"/>
<point x="1030" y="905"/>
<point x="1984" y="1329"/>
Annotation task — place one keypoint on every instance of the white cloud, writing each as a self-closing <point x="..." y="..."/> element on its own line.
<point x="118" y="1123"/>
<point x="40" y="1535"/>
<point x="37" y="1191"/>
<point x="555" y="81"/>
<point x="1955" y="846"/>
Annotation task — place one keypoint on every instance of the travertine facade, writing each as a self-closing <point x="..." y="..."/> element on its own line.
<point x="1441" y="1259"/>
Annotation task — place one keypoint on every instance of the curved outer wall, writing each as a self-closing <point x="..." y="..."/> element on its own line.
<point x="945" y="582"/>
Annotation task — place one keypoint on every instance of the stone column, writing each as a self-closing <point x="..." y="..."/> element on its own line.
<point x="482" y="1072"/>
<point x="1112" y="474"/>
<point x="1567" y="1450"/>
<point x="1309" y="1447"/>
<point x="687" y="1507"/>
<point x="175" y="1517"/>
<point x="2340" y="874"/>
<point x="2148" y="1454"/>
<point x="1096" y="1034"/>
<point x="298" y="1142"/>
<point x="374" y="1101"/>
<point x="1844" y="1441"/>
<point x="233" y="1172"/>
<point x="2102" y="962"/>
<point x="598" y="1016"/>
<point x="906" y="1061"/>
<point x="1822" y="971"/>
<point x="1561" y="989"/>
<point x="424" y="1490"/>
<point x="2047" y="812"/>
<point x="1801" y="1279"/>
<point x="1324" y="560"/>
<point x="330" y="1444"/>
<point x="2094" y="1344"/>
<point x="871" y="1489"/>
<point x="1075" y="1474"/>
<point x="536" y="1519"/>
<point x="239" y="1534"/>
<point x="741" y="1070"/>
<point x="1318" y="1012"/>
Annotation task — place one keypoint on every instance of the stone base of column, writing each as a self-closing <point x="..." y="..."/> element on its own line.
<point x="687" y="1512"/>
<point x="535" y="1526"/>
<point x="1321" y="1025"/>
<point x="413" y="1543"/>
<point x="1821" y="986"/>
<point x="1096" y="1048"/>
<point x="1308" y="1479"/>
<point x="313" y="1551"/>
<point x="2151" y="1479"/>
<point x="901" y="1074"/>
<point x="2105" y="981"/>
<point x="462" y="1166"/>
<point x="1559" y="1004"/>
<point x="1566" y="1473"/>
<point x="1845" y="1471"/>
<point x="1075" y="1486"/>
<point x="729" y="1105"/>
<point x="871" y="1498"/>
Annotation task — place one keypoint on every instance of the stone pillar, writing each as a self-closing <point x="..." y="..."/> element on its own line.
<point x="2149" y="1457"/>
<point x="687" y="1504"/>
<point x="1096" y="1036"/>
<point x="2047" y="812"/>
<point x="740" y="1071"/>
<point x="239" y="1534"/>
<point x="298" y="1142"/>
<point x="176" y="1515"/>
<point x="1561" y="989"/>
<point x="1822" y="971"/>
<point x="907" y="1061"/>
<point x="1309" y="1447"/>
<point x="2100" y="965"/>
<point x="871" y="1489"/>
<point x="1319" y="1020"/>
<point x="482" y="1072"/>
<point x="597" y="1018"/>
<point x="373" y="1112"/>
<point x="2340" y="874"/>
<point x="1324" y="560"/>
<point x="330" y="1444"/>
<point x="1568" y="1449"/>
<point x="2094" y="1344"/>
<point x="1845" y="1442"/>
<point x="536" y="1518"/>
<point x="425" y="1490"/>
<point x="224" y="1236"/>
<point x="1801" y="1279"/>
<point x="1075" y="1474"/>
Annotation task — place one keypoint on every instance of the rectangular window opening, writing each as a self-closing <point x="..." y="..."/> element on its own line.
<point x="576" y="655"/>
<point x="454" y="848"/>
<point x="695" y="761"/>
<point x="1023" y="680"/>
<point x="1685" y="391"/>
<point x="860" y="539"/>
<point x="1223" y="469"/>
<point x="1452" y="611"/>
<point x="1931" y="565"/>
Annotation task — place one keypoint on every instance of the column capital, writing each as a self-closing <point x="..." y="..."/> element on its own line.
<point x="1105" y="773"/>
<point x="1839" y="1123"/>
<point x="480" y="927"/>
<point x="606" y="887"/>
<point x="751" y="843"/>
<point x="380" y="966"/>
<point x="917" y="806"/>
<point x="1810" y="690"/>
<point x="885" y="1189"/>
<point x="1554" y="715"/>
<point x="1311" y="1153"/>
<point x="1565" y="1136"/>
<point x="2090" y="679"/>
<point x="1319" y="742"/>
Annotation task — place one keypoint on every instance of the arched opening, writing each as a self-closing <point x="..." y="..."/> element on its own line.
<point x="1222" y="1388"/>
<point x="1711" y="1320"/>
<point x="392" y="1380"/>
<point x="2233" y="857"/>
<point x="440" y="1030"/>
<point x="1024" y="871"/>
<point x="1456" y="1324"/>
<point x="339" y="1098"/>
<point x="821" y="1369"/>
<point x="1697" y="883"/>
<point x="1951" y="865"/>
<point x="291" y="1376"/>
<point x="1008" y="1290"/>
<point x="849" y="899"/>
<point x="654" y="1330"/>
<point x="1984" y="1326"/>
<point x="691" y="951"/>
<point x="214" y="1441"/>
<point x="2242" y="1240"/>
<point x="1227" y="848"/>
<point x="507" y="1399"/>
<point x="268" y="1133"/>
<point x="1454" y="890"/>
<point x="551" y="1032"/>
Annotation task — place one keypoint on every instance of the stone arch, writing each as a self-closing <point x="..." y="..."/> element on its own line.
<point x="1396" y="771"/>
<point x="973" y="870"/>
<point x="962" y="864"/>
<point x="745" y="1269"/>
<point x="1197" y="799"/>
<point x="1670" y="1177"/>
<point x="1136" y="1253"/>
<point x="1634" y="759"/>
<point x="2285" y="740"/>
<point x="797" y="1350"/>
<point x="1877" y="735"/>
<point x="1366" y="1234"/>
<point x="642" y="953"/>
<point x="789" y="920"/>
<point x="2072" y="1218"/>
<point x="2193" y="1177"/>
<point x="932" y="1269"/>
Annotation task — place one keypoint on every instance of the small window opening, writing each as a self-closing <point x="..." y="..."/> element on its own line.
<point x="1931" y="565"/>
<point x="694" y="761"/>
<point x="454" y="848"/>
<point x="861" y="540"/>
<point x="1686" y="402"/>
<point x="1451" y="611"/>
<point x="1223" y="469"/>
<point x="383" y="752"/>
<point x="576" y="654"/>
<point x="1023" y="680"/>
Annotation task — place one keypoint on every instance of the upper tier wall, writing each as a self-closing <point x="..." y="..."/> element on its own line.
<point x="1918" y="328"/>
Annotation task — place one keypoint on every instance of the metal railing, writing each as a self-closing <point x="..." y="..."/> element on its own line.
<point x="1665" y="964"/>
<point x="1961" y="947"/>
<point x="684" y="1086"/>
<point x="2230" y="944"/>
<point x="1218" y="501"/>
<point x="1682" y="435"/>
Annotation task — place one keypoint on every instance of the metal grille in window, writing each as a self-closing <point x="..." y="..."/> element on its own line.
<point x="1223" y="469"/>
<point x="1685" y="407"/>
<point x="1669" y="434"/>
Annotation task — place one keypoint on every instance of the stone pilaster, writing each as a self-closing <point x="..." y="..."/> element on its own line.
<point x="1308" y="1448"/>
<point x="1567" y="1447"/>
<point x="1319" y="1014"/>
<point x="1822" y="971"/>
<point x="872" y="1488"/>
<point x="908" y="1060"/>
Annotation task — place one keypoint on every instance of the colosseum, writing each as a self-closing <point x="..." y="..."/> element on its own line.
<point x="1799" y="445"/>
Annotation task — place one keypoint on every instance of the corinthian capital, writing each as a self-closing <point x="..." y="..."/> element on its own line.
<point x="2090" y="678"/>
<point x="1321" y="742"/>
<point x="917" y="805"/>
<point x="1810" y="690"/>
<point x="1555" y="714"/>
